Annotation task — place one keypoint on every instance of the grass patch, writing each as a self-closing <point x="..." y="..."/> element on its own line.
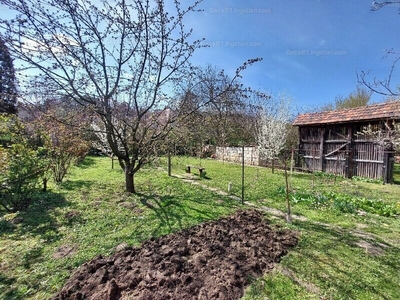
<point x="396" y="174"/>
<point x="90" y="214"/>
<point x="346" y="221"/>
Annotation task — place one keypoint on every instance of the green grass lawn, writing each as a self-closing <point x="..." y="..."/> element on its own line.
<point x="327" y="264"/>
<point x="396" y="174"/>
<point x="89" y="214"/>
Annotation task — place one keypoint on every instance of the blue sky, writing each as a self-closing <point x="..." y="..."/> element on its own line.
<point x="311" y="49"/>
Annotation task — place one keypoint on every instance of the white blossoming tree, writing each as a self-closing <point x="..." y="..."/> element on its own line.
<point x="272" y="126"/>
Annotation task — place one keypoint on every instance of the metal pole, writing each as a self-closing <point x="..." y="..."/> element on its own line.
<point x="242" y="174"/>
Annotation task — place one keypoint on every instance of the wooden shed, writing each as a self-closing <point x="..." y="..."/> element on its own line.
<point x="331" y="141"/>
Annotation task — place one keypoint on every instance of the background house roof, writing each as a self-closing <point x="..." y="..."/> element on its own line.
<point x="388" y="110"/>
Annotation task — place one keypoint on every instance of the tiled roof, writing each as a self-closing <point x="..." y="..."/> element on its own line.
<point x="389" y="110"/>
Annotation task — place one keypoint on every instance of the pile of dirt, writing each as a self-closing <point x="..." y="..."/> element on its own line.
<point x="212" y="260"/>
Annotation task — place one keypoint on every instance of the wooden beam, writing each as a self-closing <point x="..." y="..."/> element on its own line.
<point x="336" y="150"/>
<point x="321" y="149"/>
<point x="349" y="152"/>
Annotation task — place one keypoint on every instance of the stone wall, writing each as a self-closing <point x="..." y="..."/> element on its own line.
<point x="234" y="154"/>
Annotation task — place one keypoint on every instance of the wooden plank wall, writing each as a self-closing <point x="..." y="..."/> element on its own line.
<point x="310" y="147"/>
<point x="368" y="159"/>
<point x="335" y="157"/>
<point x="337" y="151"/>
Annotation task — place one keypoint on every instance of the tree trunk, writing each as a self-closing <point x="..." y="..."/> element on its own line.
<point x="129" y="180"/>
<point x="44" y="184"/>
<point x="273" y="165"/>
<point x="169" y="163"/>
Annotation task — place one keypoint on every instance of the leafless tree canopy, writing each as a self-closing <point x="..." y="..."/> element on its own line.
<point x="122" y="60"/>
<point x="119" y="59"/>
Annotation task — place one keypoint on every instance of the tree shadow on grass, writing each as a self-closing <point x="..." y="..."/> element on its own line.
<point x="71" y="185"/>
<point x="5" y="291"/>
<point x="37" y="223"/>
<point x="37" y="219"/>
<point x="335" y="262"/>
<point x="9" y="285"/>
<point x="88" y="162"/>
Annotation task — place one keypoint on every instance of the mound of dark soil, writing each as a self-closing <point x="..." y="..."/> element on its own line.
<point x="213" y="260"/>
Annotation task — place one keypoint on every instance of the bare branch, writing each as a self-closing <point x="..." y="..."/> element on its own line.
<point x="382" y="86"/>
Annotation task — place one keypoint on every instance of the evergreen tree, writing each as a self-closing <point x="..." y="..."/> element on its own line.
<point x="8" y="93"/>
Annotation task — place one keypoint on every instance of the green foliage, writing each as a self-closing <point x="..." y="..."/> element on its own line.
<point x="345" y="203"/>
<point x="21" y="167"/>
<point x="359" y="98"/>
<point x="364" y="179"/>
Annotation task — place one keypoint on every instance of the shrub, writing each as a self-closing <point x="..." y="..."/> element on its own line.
<point x="62" y="133"/>
<point x="21" y="167"/>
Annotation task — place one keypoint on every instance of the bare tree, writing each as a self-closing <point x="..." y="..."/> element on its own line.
<point x="382" y="86"/>
<point x="221" y="108"/>
<point x="121" y="60"/>
<point x="216" y="108"/>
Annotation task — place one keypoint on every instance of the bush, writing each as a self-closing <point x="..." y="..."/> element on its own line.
<point x="21" y="167"/>
<point x="63" y="134"/>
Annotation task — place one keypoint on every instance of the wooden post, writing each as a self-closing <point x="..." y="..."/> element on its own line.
<point x="313" y="171"/>
<point x="288" y="212"/>
<point x="169" y="163"/>
<point x="321" y="150"/>
<point x="349" y="153"/>
<point x="385" y="168"/>
<point x="44" y="184"/>
<point x="291" y="166"/>
<point x="273" y="165"/>
<point x="299" y="147"/>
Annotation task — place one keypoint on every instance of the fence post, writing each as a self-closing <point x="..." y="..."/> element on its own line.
<point x="169" y="163"/>
<point x="387" y="169"/>
<point x="349" y="153"/>
<point x="242" y="174"/>
<point x="321" y="150"/>
<point x="291" y="164"/>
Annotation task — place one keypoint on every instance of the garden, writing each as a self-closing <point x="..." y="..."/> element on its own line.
<point x="118" y="79"/>
<point x="343" y="243"/>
